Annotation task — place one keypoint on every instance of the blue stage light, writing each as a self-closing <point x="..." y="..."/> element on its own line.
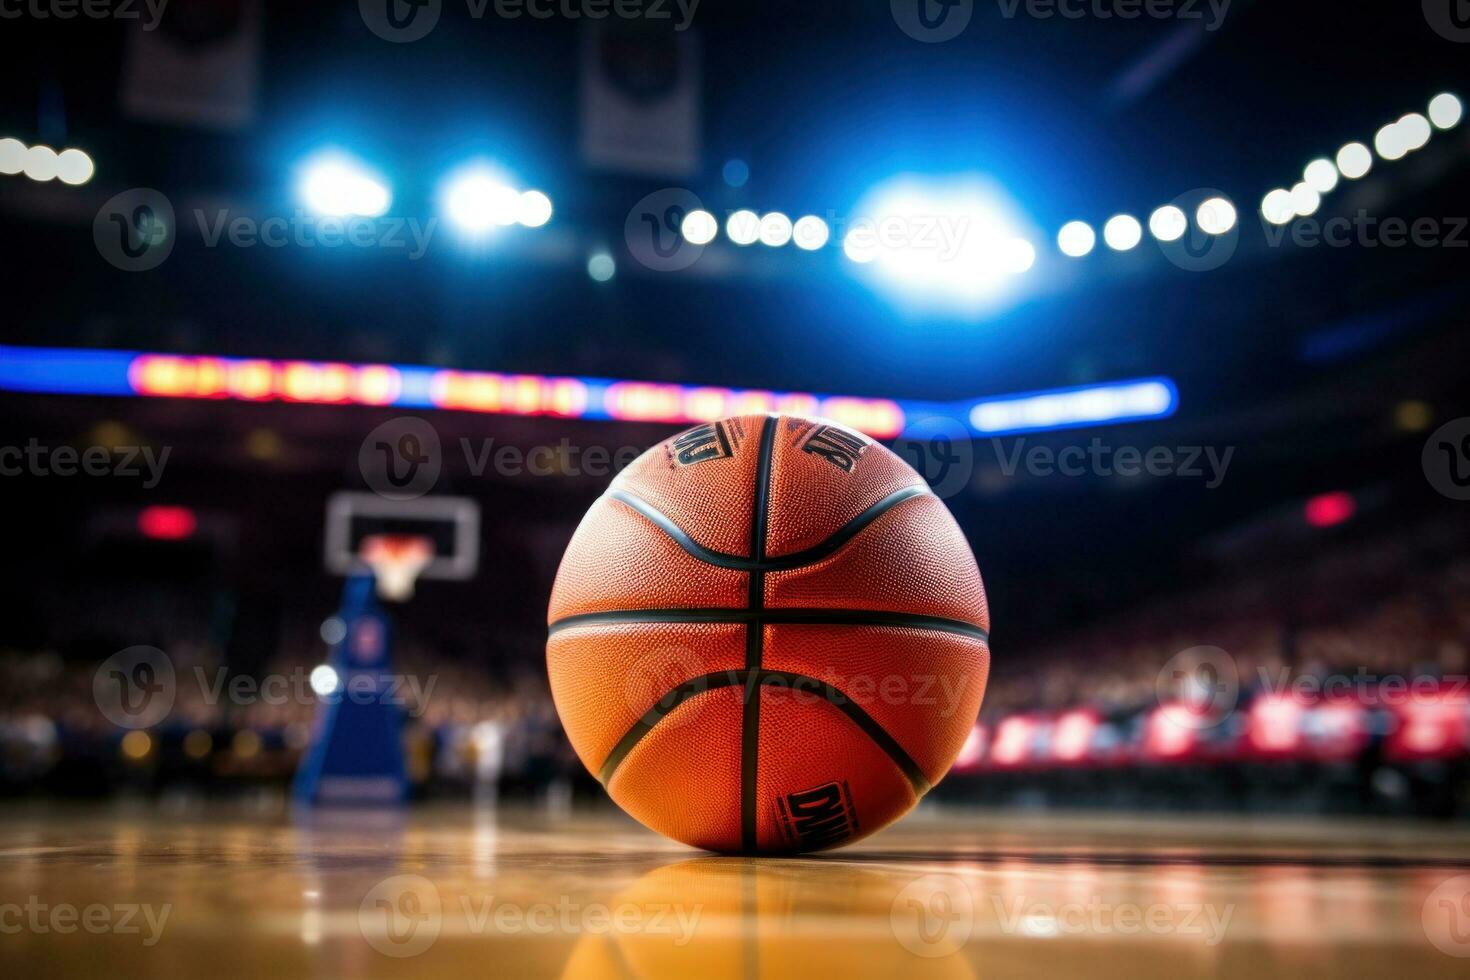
<point x="335" y="185"/>
<point x="477" y="200"/>
<point x="959" y="243"/>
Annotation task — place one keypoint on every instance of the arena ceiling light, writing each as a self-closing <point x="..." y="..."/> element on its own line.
<point x="43" y="164"/>
<point x="1168" y="223"/>
<point x="699" y="227"/>
<point x="743" y="227"/>
<point x="958" y="243"/>
<point x="1354" y="161"/>
<point x="1076" y="239"/>
<point x="336" y="185"/>
<point x="477" y="200"/>
<point x="1446" y="111"/>
<point x="1122" y="232"/>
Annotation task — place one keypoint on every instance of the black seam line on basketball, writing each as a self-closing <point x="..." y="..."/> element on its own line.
<point x="797" y="559"/>
<point x="774" y="617"/>
<point x="753" y="680"/>
<point x="755" y="634"/>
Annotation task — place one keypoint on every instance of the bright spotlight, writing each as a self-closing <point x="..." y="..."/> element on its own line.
<point x="1168" y="223"/>
<point x="1390" y="143"/>
<point x="534" y="209"/>
<point x="601" y="267"/>
<point x="1415" y="130"/>
<point x="477" y="201"/>
<point x="1354" y="161"/>
<point x="699" y="227"/>
<point x="1122" y="232"/>
<point x="1076" y="239"/>
<point x="12" y="156"/>
<point x="41" y="163"/>
<point x="1215" y="216"/>
<point x="1446" y="111"/>
<point x="339" y="187"/>
<point x="1304" y="200"/>
<point x="941" y="242"/>
<point x="775" y="229"/>
<point x="1018" y="256"/>
<point x="743" y="227"/>
<point x="1320" y="175"/>
<point x="1277" y="207"/>
<point x="810" y="233"/>
<point x="861" y="245"/>
<point x="324" y="680"/>
<point x="74" y="167"/>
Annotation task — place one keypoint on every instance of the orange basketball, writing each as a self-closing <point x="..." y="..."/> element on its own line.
<point x="768" y="636"/>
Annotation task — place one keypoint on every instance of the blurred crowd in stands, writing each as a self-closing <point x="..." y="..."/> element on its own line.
<point x="1334" y="680"/>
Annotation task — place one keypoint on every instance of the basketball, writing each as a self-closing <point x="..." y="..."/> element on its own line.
<point x="768" y="636"/>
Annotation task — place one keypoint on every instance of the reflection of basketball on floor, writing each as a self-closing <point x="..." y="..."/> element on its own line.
<point x="725" y="919"/>
<point x="768" y="636"/>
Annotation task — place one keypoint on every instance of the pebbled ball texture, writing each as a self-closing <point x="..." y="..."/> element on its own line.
<point x="768" y="636"/>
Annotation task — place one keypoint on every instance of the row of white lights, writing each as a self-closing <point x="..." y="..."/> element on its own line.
<point x="41" y="163"/>
<point x="1393" y="142"/>
<point x="744" y="227"/>
<point x="1123" y="232"/>
<point x="475" y="199"/>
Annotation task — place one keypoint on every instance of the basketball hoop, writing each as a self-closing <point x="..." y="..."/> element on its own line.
<point x="396" y="561"/>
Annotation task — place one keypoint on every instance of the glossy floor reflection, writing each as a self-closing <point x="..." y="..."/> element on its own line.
<point x="447" y="891"/>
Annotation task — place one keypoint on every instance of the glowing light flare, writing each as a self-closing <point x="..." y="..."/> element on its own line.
<point x="1071" y="736"/>
<point x="1077" y="406"/>
<point x="1076" y="239"/>
<point x="503" y="394"/>
<point x="324" y="680"/>
<point x="1330" y="509"/>
<point x="1274" y="724"/>
<point x="1012" y="743"/>
<point x="1446" y="110"/>
<point x="1168" y="223"/>
<point x="743" y="227"/>
<point x="180" y="376"/>
<point x="1354" y="161"/>
<point x="166" y="523"/>
<point x="338" y="186"/>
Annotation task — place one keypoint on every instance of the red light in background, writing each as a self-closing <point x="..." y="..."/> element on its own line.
<point x="1330" y="509"/>
<point x="167" y="523"/>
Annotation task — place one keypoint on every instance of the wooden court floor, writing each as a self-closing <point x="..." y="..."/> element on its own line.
<point x="115" y="891"/>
